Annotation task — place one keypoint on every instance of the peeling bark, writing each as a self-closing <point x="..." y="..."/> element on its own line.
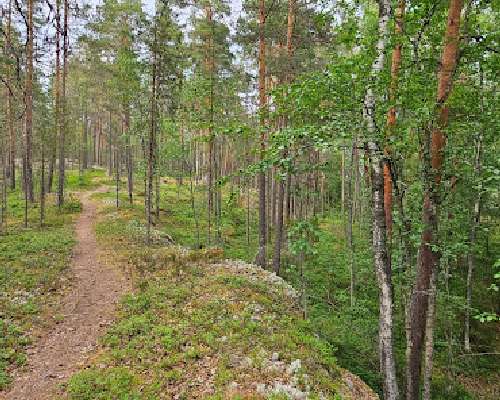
<point x="429" y="255"/>
<point x="391" y="114"/>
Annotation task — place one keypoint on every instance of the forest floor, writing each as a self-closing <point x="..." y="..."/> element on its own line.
<point x="86" y="312"/>
<point x="146" y="323"/>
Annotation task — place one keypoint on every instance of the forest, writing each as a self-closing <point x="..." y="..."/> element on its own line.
<point x="249" y="199"/>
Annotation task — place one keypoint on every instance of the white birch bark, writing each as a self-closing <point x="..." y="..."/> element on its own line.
<point x="381" y="257"/>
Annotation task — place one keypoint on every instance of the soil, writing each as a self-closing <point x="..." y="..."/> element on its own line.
<point x="88" y="310"/>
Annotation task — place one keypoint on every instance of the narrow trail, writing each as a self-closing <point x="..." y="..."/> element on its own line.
<point x="88" y="309"/>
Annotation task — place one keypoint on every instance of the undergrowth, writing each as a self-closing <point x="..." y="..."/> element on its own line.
<point x="197" y="329"/>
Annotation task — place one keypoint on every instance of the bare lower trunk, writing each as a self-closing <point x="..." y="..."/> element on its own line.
<point x="261" y="258"/>
<point x="129" y="160"/>
<point x="476" y="219"/>
<point x="117" y="176"/>
<point x="151" y="144"/>
<point x="110" y="147"/>
<point x="10" y="112"/>
<point x="85" y="142"/>
<point x="384" y="277"/>
<point x="429" y="339"/>
<point x="210" y="192"/>
<point x="350" y="219"/>
<point x="3" y="184"/>
<point x="28" y="131"/>
<point x="42" y="185"/>
<point x="279" y="227"/>
<point x="62" y="133"/>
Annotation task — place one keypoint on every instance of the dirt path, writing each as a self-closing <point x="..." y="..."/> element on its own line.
<point x="87" y="311"/>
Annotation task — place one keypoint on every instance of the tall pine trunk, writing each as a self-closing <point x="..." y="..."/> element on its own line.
<point x="391" y="114"/>
<point x="151" y="142"/>
<point x="129" y="157"/>
<point x="433" y="164"/>
<point x="279" y="229"/>
<point x="261" y="258"/>
<point x="28" y="128"/>
<point x="63" y="111"/>
<point x="10" y="97"/>
<point x="85" y="142"/>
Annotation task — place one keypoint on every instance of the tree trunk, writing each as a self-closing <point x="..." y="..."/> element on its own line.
<point x="42" y="184"/>
<point x="62" y="132"/>
<point x="10" y="112"/>
<point x="342" y="181"/>
<point x="261" y="258"/>
<point x="117" y="175"/>
<point x="3" y="185"/>
<point x="85" y="140"/>
<point x="278" y="241"/>
<point x="129" y="160"/>
<point x="110" y="142"/>
<point x="391" y="114"/>
<point x="151" y="141"/>
<point x="28" y="129"/>
<point x="429" y="255"/>
<point x="429" y="338"/>
<point x="381" y="257"/>
<point x="350" y="221"/>
<point x="476" y="217"/>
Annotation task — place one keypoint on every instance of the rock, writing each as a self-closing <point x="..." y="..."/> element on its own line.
<point x="234" y="361"/>
<point x="275" y="357"/>
<point x="261" y="389"/>
<point x="294" y="367"/>
<point x="290" y="391"/>
<point x="255" y="318"/>
<point x="349" y="383"/>
<point x="246" y="363"/>
<point x="276" y="367"/>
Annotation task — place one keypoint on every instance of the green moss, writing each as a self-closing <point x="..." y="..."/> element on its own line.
<point x="104" y="384"/>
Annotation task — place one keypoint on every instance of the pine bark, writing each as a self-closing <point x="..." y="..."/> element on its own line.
<point x="261" y="258"/>
<point x="63" y="111"/>
<point x="10" y="112"/>
<point x="151" y="144"/>
<point x="391" y="114"/>
<point x="28" y="128"/>
<point x="129" y="157"/>
<point x="280" y="209"/>
<point x="85" y="144"/>
<point x="433" y="163"/>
